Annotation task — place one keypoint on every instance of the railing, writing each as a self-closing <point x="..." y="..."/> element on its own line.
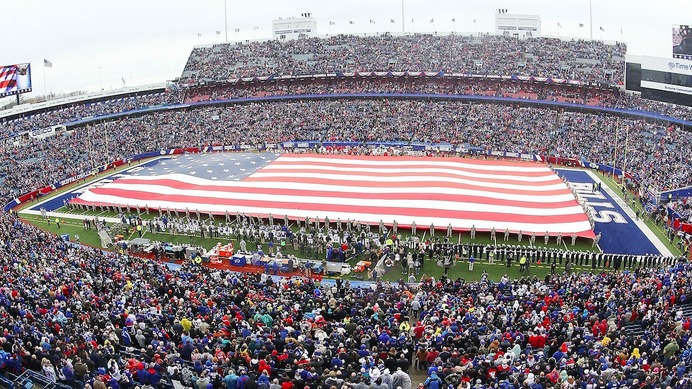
<point x="29" y="378"/>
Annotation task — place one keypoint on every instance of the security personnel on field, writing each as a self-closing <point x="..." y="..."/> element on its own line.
<point x="522" y="263"/>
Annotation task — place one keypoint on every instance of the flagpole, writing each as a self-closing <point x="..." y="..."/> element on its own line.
<point x="225" y="18"/>
<point x="624" y="162"/>
<point x="403" y="21"/>
<point x="45" y="94"/>
<point x="615" y="149"/>
<point x="590" y="21"/>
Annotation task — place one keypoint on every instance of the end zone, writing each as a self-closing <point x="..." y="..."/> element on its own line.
<point x="621" y="231"/>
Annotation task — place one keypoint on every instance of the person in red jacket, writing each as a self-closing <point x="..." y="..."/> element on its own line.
<point x="263" y="365"/>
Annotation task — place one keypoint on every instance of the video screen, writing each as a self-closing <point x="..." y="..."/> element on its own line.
<point x="15" y="79"/>
<point x="682" y="42"/>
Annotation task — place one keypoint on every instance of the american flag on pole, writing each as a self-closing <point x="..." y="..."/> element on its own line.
<point x="462" y="192"/>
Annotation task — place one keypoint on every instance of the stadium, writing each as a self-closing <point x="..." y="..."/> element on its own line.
<point x="380" y="210"/>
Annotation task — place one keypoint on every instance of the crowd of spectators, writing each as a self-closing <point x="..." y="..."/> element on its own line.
<point x="88" y="318"/>
<point x="655" y="152"/>
<point x="425" y="85"/>
<point x="486" y="54"/>
<point x="442" y="86"/>
<point x="81" y="110"/>
<point x="683" y="207"/>
<point x="527" y="90"/>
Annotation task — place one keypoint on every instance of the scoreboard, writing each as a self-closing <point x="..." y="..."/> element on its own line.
<point x="661" y="79"/>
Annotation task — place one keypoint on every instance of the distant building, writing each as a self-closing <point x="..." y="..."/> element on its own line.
<point x="294" y="28"/>
<point x="520" y="26"/>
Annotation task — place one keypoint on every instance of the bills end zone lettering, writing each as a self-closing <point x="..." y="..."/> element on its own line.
<point x="620" y="231"/>
<point x="603" y="210"/>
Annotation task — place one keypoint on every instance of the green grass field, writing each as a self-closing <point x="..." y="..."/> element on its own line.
<point x="495" y="271"/>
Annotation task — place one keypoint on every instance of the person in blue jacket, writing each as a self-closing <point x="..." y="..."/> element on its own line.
<point x="433" y="382"/>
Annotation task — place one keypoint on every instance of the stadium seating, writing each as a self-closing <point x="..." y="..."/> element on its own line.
<point x="128" y="322"/>
<point x="487" y="54"/>
<point x="139" y="323"/>
<point x="653" y="157"/>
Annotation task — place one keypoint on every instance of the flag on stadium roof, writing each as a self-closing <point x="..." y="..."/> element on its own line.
<point x="47" y="63"/>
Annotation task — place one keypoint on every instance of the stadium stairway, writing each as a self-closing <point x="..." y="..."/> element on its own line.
<point x="633" y="328"/>
<point x="637" y="328"/>
<point x="507" y="291"/>
<point x="30" y="379"/>
<point x="686" y="309"/>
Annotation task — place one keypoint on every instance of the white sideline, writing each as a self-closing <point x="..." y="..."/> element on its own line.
<point x="76" y="216"/>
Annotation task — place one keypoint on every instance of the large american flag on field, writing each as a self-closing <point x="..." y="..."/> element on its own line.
<point x="462" y="192"/>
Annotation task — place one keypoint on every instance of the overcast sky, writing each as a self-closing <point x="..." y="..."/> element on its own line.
<point x="96" y="44"/>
